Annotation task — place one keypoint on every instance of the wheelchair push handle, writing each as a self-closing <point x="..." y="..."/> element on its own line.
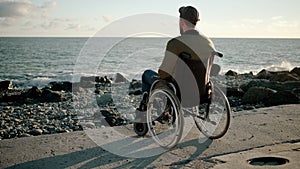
<point x="217" y="53"/>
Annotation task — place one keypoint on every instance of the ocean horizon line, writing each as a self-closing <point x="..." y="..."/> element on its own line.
<point x="148" y="37"/>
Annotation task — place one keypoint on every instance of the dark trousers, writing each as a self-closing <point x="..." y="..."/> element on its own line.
<point x="148" y="78"/>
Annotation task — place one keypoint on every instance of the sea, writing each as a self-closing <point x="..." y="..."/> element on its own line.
<point x="36" y="61"/>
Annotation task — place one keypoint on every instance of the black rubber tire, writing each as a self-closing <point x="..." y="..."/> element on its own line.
<point x="141" y="129"/>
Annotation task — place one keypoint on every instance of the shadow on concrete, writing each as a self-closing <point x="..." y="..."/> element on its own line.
<point x="98" y="157"/>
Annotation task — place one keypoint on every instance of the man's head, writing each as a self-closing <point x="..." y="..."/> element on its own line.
<point x="189" y="16"/>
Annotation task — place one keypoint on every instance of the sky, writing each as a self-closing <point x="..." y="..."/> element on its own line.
<point x="84" y="18"/>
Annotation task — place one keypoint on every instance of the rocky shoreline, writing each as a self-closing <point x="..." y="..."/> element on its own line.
<point x="62" y="106"/>
<point x="265" y="89"/>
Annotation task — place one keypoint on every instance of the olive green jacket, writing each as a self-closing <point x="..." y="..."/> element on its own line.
<point x="191" y="73"/>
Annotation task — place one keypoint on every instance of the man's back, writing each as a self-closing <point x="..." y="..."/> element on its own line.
<point x="188" y="60"/>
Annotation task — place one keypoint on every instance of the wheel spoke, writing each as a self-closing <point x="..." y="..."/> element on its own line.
<point x="167" y="117"/>
<point x="217" y="122"/>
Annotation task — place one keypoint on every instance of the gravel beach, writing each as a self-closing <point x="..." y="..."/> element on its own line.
<point x="97" y="102"/>
<point x="41" y="125"/>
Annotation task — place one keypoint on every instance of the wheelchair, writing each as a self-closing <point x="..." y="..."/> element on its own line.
<point x="162" y="115"/>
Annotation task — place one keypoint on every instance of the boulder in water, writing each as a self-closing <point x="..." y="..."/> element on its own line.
<point x="119" y="78"/>
<point x="231" y="73"/>
<point x="5" y="85"/>
<point x="61" y="86"/>
<point x="280" y="76"/>
<point x="296" y="71"/>
<point x="33" y="93"/>
<point x="264" y="74"/>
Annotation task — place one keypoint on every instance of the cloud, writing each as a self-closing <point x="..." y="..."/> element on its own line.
<point x="49" y="25"/>
<point x="13" y="11"/>
<point x="73" y="26"/>
<point x="6" y="21"/>
<point x="107" y="18"/>
<point x="15" y="8"/>
<point x="246" y="24"/>
<point x="48" y="5"/>
<point x="274" y="18"/>
<point x="59" y="24"/>
<point x="22" y="8"/>
<point x="252" y="21"/>
<point x="281" y="22"/>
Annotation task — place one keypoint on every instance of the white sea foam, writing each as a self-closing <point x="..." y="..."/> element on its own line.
<point x="283" y="66"/>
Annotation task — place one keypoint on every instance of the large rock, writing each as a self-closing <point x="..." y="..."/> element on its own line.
<point x="85" y="84"/>
<point x="278" y="86"/>
<point x="119" y="78"/>
<point x="33" y="93"/>
<point x="296" y="71"/>
<point x="234" y="91"/>
<point x="51" y="96"/>
<point x="61" y="86"/>
<point x="103" y="80"/>
<point x="5" y="85"/>
<point x="106" y="113"/>
<point x="282" y="97"/>
<point x="296" y="91"/>
<point x="12" y="98"/>
<point x="113" y="121"/>
<point x="264" y="74"/>
<point x="280" y="76"/>
<point x="283" y="77"/>
<point x="135" y="87"/>
<point x="257" y="94"/>
<point x="104" y="100"/>
<point x="231" y="73"/>
<point x="87" y="79"/>
<point x="36" y="132"/>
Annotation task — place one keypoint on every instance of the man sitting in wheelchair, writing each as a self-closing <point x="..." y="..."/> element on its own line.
<point x="187" y="62"/>
<point x="185" y="70"/>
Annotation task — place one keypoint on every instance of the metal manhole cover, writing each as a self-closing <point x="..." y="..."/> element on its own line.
<point x="268" y="161"/>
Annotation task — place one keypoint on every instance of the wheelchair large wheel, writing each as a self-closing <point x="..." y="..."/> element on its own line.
<point x="164" y="117"/>
<point x="213" y="119"/>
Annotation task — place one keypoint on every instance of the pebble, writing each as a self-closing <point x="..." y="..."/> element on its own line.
<point x="36" y="132"/>
<point x="90" y="125"/>
<point x="38" y="118"/>
<point x="25" y="135"/>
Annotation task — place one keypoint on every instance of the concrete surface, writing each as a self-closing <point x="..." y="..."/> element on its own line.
<point x="273" y="131"/>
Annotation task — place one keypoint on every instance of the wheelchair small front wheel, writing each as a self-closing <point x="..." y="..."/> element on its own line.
<point x="140" y="129"/>
<point x="164" y="117"/>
